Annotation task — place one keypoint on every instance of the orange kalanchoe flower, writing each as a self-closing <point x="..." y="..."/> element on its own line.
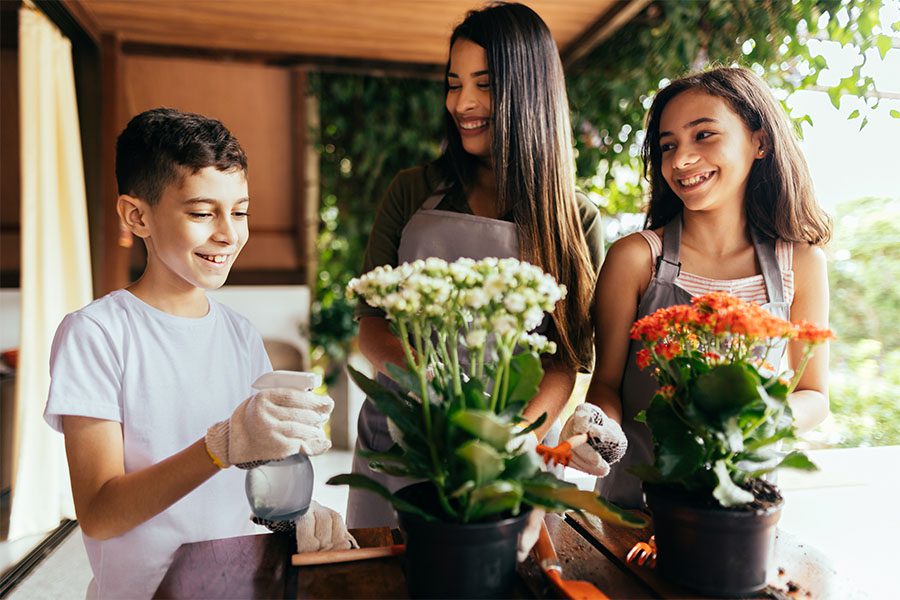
<point x="812" y="333"/>
<point x="644" y="358"/>
<point x="668" y="350"/>
<point x="667" y="391"/>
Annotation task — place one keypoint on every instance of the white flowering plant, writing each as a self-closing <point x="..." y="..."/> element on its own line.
<point x="465" y="330"/>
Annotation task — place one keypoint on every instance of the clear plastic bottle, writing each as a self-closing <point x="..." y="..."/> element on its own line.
<point x="281" y="490"/>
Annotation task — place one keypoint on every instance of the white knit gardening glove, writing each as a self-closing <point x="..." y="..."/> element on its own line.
<point x="606" y="443"/>
<point x="321" y="528"/>
<point x="529" y="536"/>
<point x="271" y="425"/>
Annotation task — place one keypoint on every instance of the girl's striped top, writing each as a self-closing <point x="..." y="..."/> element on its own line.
<point x="750" y="289"/>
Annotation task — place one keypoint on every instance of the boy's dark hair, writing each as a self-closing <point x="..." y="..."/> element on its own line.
<point x="779" y="201"/>
<point x="159" y="144"/>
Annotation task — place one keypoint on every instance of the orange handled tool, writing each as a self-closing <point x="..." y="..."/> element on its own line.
<point x="328" y="557"/>
<point x="549" y="562"/>
<point x="562" y="454"/>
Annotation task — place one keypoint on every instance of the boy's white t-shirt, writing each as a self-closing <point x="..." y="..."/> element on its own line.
<point x="166" y="379"/>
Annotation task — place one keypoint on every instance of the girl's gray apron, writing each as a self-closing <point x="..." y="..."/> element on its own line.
<point x="429" y="233"/>
<point x="638" y="387"/>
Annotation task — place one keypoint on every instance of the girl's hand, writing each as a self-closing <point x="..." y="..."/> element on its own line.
<point x="606" y="443"/>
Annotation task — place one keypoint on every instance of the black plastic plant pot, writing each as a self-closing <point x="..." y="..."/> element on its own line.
<point x="454" y="560"/>
<point x="713" y="550"/>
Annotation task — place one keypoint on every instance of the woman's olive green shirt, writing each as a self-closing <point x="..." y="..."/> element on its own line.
<point x="406" y="193"/>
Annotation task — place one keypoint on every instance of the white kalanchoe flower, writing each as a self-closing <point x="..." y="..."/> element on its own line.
<point x="515" y="303"/>
<point x="476" y="338"/>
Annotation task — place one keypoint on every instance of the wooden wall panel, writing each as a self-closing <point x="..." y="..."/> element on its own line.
<point x="254" y="103"/>
<point x="9" y="168"/>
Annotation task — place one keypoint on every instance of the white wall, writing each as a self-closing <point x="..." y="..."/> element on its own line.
<point x="279" y="312"/>
<point x="10" y="316"/>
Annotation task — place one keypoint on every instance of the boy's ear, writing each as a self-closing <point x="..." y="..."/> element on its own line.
<point x="762" y="143"/>
<point x="133" y="213"/>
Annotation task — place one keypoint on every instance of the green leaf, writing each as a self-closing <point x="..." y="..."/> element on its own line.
<point x="363" y="482"/>
<point x="895" y="113"/>
<point x="483" y="463"/>
<point x="780" y="434"/>
<point x="884" y="43"/>
<point x="473" y="391"/>
<point x="798" y="460"/>
<point x="406" y="379"/>
<point x="834" y="93"/>
<point x="727" y="492"/>
<point x="726" y="389"/>
<point x="494" y="498"/>
<point x="534" y="424"/>
<point x="853" y="115"/>
<point x="465" y="488"/>
<point x="646" y="473"/>
<point x="521" y="466"/>
<point x="678" y="453"/>
<point x="574" y="498"/>
<point x="525" y="375"/>
<point x="484" y="425"/>
<point x="404" y="412"/>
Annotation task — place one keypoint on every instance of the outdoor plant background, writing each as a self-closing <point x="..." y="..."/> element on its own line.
<point x="373" y="127"/>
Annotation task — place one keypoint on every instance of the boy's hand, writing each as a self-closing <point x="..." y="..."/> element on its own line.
<point x="321" y="528"/>
<point x="606" y="443"/>
<point x="271" y="425"/>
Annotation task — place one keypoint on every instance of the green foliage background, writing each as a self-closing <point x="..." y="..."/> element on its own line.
<point x="863" y="273"/>
<point x="372" y="127"/>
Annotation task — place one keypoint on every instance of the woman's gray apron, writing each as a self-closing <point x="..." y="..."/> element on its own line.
<point x="638" y="387"/>
<point x="429" y="233"/>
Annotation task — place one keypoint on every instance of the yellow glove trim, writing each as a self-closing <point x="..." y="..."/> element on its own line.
<point x="216" y="460"/>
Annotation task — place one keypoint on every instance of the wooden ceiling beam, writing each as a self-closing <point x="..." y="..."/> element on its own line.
<point x="601" y="30"/>
<point x="375" y="68"/>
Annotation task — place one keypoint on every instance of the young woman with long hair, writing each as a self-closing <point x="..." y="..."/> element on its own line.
<point x="731" y="209"/>
<point x="503" y="187"/>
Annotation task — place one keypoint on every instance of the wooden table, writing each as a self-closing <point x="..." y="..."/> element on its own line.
<point x="258" y="566"/>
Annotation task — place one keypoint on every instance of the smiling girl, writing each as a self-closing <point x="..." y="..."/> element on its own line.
<point x="731" y="209"/>
<point x="503" y="187"/>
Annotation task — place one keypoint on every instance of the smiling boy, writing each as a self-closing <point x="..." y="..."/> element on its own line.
<point x="144" y="379"/>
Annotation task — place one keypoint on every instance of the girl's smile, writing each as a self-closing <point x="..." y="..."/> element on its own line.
<point x="469" y="96"/>
<point x="707" y="150"/>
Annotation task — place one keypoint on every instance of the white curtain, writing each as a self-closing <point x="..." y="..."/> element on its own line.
<point x="55" y="270"/>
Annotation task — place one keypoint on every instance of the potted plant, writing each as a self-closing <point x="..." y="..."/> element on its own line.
<point x="464" y="329"/>
<point x="718" y="423"/>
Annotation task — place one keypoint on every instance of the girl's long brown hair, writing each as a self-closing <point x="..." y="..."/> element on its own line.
<point x="533" y="161"/>
<point x="780" y="201"/>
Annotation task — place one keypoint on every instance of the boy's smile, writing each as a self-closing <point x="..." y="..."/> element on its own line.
<point x="194" y="234"/>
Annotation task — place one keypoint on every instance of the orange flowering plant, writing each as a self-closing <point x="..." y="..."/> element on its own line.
<point x="721" y="410"/>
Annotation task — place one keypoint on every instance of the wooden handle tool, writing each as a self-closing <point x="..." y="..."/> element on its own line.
<point x="328" y="557"/>
<point x="549" y="562"/>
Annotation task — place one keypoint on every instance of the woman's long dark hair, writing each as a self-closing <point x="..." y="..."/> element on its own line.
<point x="531" y="154"/>
<point x="779" y="201"/>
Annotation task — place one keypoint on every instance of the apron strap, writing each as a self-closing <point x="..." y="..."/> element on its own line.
<point x="668" y="267"/>
<point x="434" y="199"/>
<point x="768" y="263"/>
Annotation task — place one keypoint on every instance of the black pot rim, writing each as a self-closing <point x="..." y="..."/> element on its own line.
<point x="674" y="491"/>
